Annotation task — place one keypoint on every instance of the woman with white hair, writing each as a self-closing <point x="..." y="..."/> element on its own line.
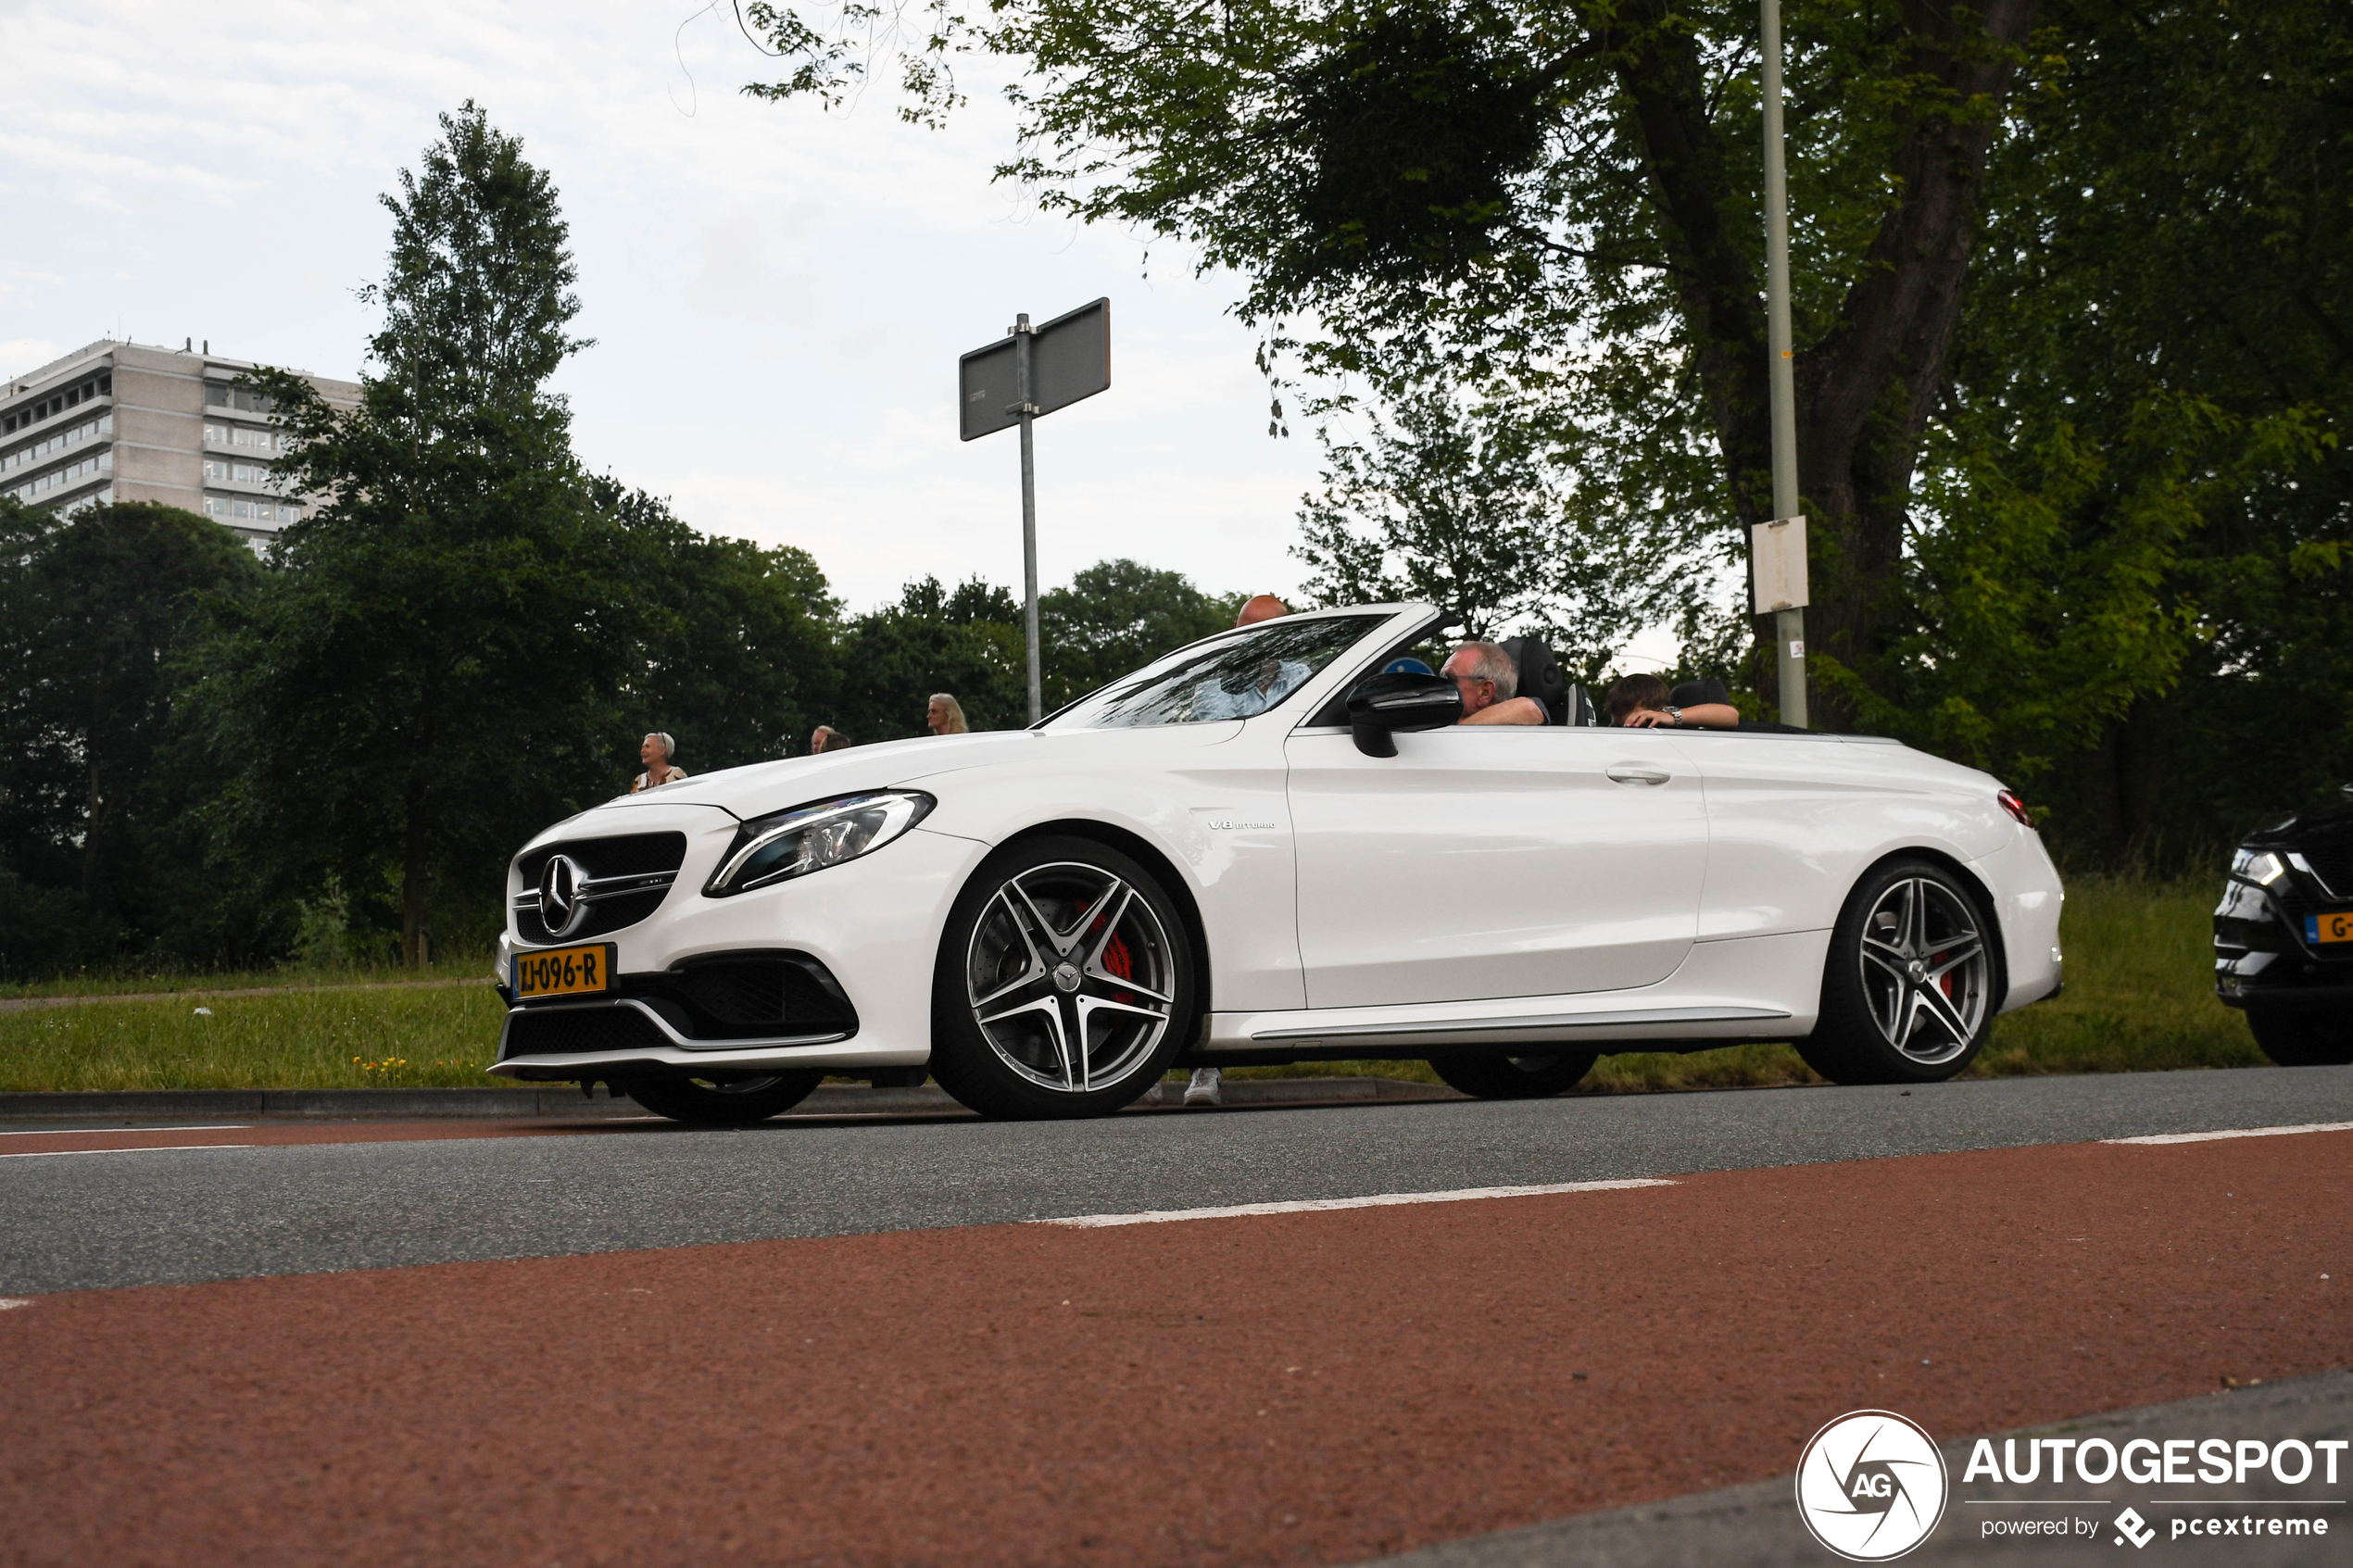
<point x="946" y="716"/>
<point x="655" y="751"/>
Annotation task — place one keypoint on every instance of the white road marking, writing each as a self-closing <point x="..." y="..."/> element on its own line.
<point x="92" y="1132"/>
<point x="1316" y="1205"/>
<point x="2238" y="1133"/>
<point x="10" y="1303"/>
<point x="143" y="1148"/>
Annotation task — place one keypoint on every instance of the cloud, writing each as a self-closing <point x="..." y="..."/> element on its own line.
<point x="778" y="294"/>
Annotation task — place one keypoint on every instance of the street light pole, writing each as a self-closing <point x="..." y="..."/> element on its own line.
<point x="1789" y="631"/>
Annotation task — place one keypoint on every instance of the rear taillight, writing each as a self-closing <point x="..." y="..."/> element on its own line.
<point x="2014" y="807"/>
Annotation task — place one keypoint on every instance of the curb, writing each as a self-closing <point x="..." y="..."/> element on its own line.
<point x="830" y="1099"/>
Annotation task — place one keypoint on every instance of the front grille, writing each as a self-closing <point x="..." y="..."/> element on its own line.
<point x="652" y="856"/>
<point x="629" y="854"/>
<point x="2334" y="862"/>
<point x="577" y="1031"/>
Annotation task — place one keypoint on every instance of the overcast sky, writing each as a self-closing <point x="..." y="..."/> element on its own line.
<point x="778" y="296"/>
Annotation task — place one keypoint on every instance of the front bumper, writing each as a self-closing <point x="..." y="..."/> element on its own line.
<point x="2261" y="956"/>
<point x="871" y="926"/>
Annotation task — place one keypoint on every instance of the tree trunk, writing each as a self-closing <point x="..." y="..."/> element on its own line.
<point x="413" y="879"/>
<point x="1864" y="391"/>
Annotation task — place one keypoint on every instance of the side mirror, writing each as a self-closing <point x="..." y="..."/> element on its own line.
<point x="1382" y="705"/>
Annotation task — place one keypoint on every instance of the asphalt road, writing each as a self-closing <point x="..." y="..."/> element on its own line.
<point x="98" y="1220"/>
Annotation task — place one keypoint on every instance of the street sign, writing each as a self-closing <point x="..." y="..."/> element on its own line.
<point x="1777" y="554"/>
<point x="1030" y="372"/>
<point x="1069" y="359"/>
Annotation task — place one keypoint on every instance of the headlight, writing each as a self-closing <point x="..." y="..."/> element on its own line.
<point x="2259" y="866"/>
<point x="809" y="838"/>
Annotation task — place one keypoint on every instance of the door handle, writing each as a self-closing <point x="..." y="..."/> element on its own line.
<point x="1628" y="772"/>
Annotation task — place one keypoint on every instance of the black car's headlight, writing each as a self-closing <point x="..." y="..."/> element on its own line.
<point x="2259" y="866"/>
<point x="783" y="845"/>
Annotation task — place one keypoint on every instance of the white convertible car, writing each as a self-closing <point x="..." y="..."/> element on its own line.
<point x="1269" y="847"/>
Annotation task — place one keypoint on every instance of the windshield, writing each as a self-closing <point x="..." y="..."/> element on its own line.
<point x="1238" y="677"/>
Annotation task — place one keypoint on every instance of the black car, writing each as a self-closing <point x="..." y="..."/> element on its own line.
<point x="2284" y="937"/>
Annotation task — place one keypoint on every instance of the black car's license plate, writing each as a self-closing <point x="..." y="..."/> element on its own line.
<point x="564" y="972"/>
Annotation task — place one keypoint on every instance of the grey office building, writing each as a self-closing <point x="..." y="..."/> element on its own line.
<point x="126" y="421"/>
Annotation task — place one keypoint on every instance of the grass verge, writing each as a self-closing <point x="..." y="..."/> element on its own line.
<point x="2139" y="999"/>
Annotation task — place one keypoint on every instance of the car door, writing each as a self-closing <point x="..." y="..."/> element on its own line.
<point x="1494" y="860"/>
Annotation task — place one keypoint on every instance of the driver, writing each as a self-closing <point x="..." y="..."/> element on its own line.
<point x="1488" y="680"/>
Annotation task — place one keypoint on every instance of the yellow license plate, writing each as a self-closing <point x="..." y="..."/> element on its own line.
<point x="2329" y="928"/>
<point x="564" y="972"/>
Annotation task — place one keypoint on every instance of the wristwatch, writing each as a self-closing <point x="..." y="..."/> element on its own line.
<point x="1674" y="713"/>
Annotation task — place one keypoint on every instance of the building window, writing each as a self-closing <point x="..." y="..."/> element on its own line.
<point x="58" y="403"/>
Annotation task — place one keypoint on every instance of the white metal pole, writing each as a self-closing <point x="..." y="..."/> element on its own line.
<point x="1022" y="339"/>
<point x="1789" y="632"/>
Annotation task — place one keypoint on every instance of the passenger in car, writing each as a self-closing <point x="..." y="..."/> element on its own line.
<point x="1642" y="702"/>
<point x="1488" y="680"/>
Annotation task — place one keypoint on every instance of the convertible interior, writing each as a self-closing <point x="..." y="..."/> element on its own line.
<point x="1564" y="701"/>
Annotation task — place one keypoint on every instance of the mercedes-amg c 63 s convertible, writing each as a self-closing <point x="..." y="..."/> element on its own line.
<point x="1268" y="847"/>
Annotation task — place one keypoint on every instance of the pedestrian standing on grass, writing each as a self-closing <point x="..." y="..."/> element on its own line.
<point x="655" y="751"/>
<point x="945" y="716"/>
<point x="826" y="738"/>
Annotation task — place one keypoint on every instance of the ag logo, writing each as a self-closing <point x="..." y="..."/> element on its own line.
<point x="1871" y="1486"/>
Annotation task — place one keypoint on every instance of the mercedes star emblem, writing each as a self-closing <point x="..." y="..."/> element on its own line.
<point x="561" y="906"/>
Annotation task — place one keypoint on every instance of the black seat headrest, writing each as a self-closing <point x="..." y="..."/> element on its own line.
<point x="1690" y="693"/>
<point x="1539" y="676"/>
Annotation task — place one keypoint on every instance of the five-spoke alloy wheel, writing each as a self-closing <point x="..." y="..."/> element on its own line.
<point x="1910" y="987"/>
<point x="1064" y="984"/>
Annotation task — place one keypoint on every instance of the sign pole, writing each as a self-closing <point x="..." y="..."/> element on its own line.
<point x="1043" y="368"/>
<point x="1023" y="338"/>
<point x="1789" y="628"/>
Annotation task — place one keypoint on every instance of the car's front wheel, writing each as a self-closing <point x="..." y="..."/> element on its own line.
<point x="714" y="1102"/>
<point x="1065" y="983"/>
<point x="1513" y="1077"/>
<point x="1908" y="988"/>
<point x="2302" y="1036"/>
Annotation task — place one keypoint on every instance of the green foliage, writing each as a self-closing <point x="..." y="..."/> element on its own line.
<point x="431" y="665"/>
<point x="1119" y="616"/>
<point x="2128" y="582"/>
<point x="98" y="613"/>
<point x="1456" y="499"/>
<point x="967" y="643"/>
<point x="736" y="660"/>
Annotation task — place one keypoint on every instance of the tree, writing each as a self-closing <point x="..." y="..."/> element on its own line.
<point x="430" y="675"/>
<point x="97" y="614"/>
<point x="1119" y="616"/>
<point x="1563" y="197"/>
<point x="1454" y="498"/>
<point x="738" y="661"/>
<point x="967" y="643"/>
<point x="2129" y="574"/>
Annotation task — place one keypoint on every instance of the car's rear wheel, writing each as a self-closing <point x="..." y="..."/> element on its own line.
<point x="1513" y="1077"/>
<point x="1064" y="984"/>
<point x="2302" y="1036"/>
<point x="722" y="1102"/>
<point x="1910" y="987"/>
